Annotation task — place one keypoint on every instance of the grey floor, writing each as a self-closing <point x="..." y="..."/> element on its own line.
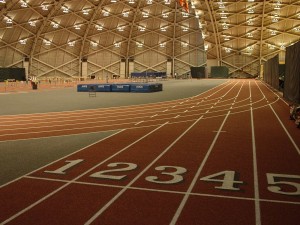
<point x="18" y="158"/>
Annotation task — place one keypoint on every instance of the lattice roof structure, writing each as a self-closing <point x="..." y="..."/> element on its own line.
<point x="120" y="36"/>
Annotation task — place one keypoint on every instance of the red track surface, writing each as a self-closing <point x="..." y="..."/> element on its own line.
<point x="227" y="156"/>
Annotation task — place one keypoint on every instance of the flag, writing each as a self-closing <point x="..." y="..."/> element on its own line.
<point x="184" y="4"/>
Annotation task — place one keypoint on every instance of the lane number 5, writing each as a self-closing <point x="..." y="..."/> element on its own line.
<point x="277" y="181"/>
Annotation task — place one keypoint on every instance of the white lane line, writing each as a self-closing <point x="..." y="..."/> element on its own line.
<point x="140" y="174"/>
<point x="166" y="110"/>
<point x="176" y="116"/>
<point x="76" y="178"/>
<point x="154" y="116"/>
<point x="196" y="177"/>
<point x="138" y="123"/>
<point x="286" y="131"/>
<point x="255" y="173"/>
<point x="186" y="111"/>
<point x="282" y="125"/>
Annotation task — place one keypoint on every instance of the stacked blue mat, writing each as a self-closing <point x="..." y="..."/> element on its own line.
<point x="124" y="87"/>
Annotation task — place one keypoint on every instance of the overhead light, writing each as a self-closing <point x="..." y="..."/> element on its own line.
<point x="105" y="13"/>
<point x="228" y="50"/>
<point x="23" y="42"/>
<point x="249" y="35"/>
<point x="117" y="45"/>
<point x="167" y="2"/>
<point x="163" y="29"/>
<point x="131" y="2"/>
<point x="277" y="7"/>
<point x="297" y="29"/>
<point x="71" y="43"/>
<point x="282" y="47"/>
<point x="226" y="38"/>
<point x="45" y="7"/>
<point x="94" y="44"/>
<point x="250" y="0"/>
<point x="9" y="21"/>
<point x="184" y="44"/>
<point x="120" y="28"/>
<point x="46" y="42"/>
<point x="250" y="11"/>
<point x="145" y="14"/>
<point x="125" y="14"/>
<point x="165" y="15"/>
<point x="113" y="1"/>
<point x="250" y="22"/>
<point x="24" y="4"/>
<point x="99" y="27"/>
<point x="85" y="12"/>
<point x="32" y="23"/>
<point x="139" y="45"/>
<point x="273" y="33"/>
<point x="223" y="15"/>
<point x="185" y="14"/>
<point x="271" y="46"/>
<point x="205" y="47"/>
<point x="225" y="26"/>
<point x="2" y="1"/>
<point x="65" y="9"/>
<point x="77" y="27"/>
<point x="142" y="29"/>
<point x="55" y="25"/>
<point x="185" y="29"/>
<point x="149" y="2"/>
<point x="162" y="45"/>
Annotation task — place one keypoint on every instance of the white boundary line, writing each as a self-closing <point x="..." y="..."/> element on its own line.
<point x="64" y="157"/>
<point x="113" y="107"/>
<point x="255" y="173"/>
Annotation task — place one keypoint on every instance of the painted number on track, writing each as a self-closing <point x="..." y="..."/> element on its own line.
<point x="284" y="184"/>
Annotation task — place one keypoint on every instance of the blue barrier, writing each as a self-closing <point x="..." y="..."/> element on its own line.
<point x="120" y="87"/>
<point x="85" y="87"/>
<point x="131" y="87"/>
<point x="103" y="88"/>
<point x="146" y="87"/>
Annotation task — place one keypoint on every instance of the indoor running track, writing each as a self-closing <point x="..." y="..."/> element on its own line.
<point x="228" y="156"/>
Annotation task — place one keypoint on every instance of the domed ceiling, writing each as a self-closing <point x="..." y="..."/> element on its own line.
<point x="116" y="37"/>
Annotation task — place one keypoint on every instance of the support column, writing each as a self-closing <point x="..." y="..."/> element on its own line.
<point x="26" y="66"/>
<point x="84" y="69"/>
<point x="122" y="68"/>
<point x="130" y="67"/>
<point x="169" y="68"/>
